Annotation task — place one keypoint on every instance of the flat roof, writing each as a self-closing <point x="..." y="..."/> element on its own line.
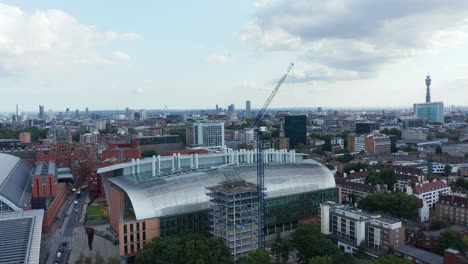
<point x="426" y="256"/>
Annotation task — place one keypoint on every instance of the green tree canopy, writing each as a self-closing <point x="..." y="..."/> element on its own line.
<point x="257" y="257"/>
<point x="447" y="169"/>
<point x="450" y="239"/>
<point x="181" y="132"/>
<point x="310" y="242"/>
<point x="461" y="182"/>
<point x="396" y="204"/>
<point x="438" y="224"/>
<point x="438" y="150"/>
<point x="355" y="167"/>
<point x="149" y="153"/>
<point x="393" y="131"/>
<point x="321" y="260"/>
<point x="280" y="249"/>
<point x="190" y="249"/>
<point x="345" y="158"/>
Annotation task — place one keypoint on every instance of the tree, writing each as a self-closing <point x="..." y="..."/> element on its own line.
<point x="361" y="249"/>
<point x="345" y="258"/>
<point x="393" y="131"/>
<point x="396" y="204"/>
<point x="280" y="249"/>
<point x="149" y="153"/>
<point x="181" y="132"/>
<point x="448" y="169"/>
<point x="432" y="178"/>
<point x="321" y="260"/>
<point x="257" y="257"/>
<point x="388" y="259"/>
<point x="461" y="182"/>
<point x="355" y="167"/>
<point x="387" y="175"/>
<point x="450" y="239"/>
<point x="345" y="158"/>
<point x="189" y="248"/>
<point x="438" y="224"/>
<point x="438" y="150"/>
<point x="310" y="242"/>
<point x="373" y="178"/>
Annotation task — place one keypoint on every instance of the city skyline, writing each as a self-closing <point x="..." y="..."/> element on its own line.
<point x="70" y="57"/>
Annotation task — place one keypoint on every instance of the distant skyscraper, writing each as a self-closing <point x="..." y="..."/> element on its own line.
<point x="248" y="114"/>
<point x="207" y="134"/>
<point x="86" y="112"/>
<point x="428" y="91"/>
<point x="77" y="113"/>
<point x="231" y="108"/>
<point x="217" y="109"/>
<point x="319" y="109"/>
<point x="41" y="112"/>
<point x="17" y="118"/>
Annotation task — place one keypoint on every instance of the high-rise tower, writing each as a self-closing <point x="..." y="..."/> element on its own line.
<point x="428" y="92"/>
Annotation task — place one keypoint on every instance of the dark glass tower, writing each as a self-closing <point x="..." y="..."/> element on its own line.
<point x="295" y="129"/>
<point x="428" y="92"/>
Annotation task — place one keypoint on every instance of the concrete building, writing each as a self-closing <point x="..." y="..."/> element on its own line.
<point x="428" y="193"/>
<point x="413" y="134"/>
<point x="349" y="227"/>
<point x="206" y="135"/>
<point x="160" y="144"/>
<point x="25" y="137"/>
<point x="412" y="121"/>
<point x="418" y="256"/>
<point x="337" y="143"/>
<point x="359" y="190"/>
<point x="163" y="196"/>
<point x="452" y="208"/>
<point x="356" y="143"/>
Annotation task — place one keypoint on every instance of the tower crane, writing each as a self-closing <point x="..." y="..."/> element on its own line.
<point x="260" y="162"/>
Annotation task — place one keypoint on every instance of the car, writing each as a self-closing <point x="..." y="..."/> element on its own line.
<point x="76" y="201"/>
<point x="60" y="249"/>
<point x="64" y="244"/>
<point x="76" y="210"/>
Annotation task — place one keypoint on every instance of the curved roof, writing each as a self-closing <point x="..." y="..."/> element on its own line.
<point x="187" y="193"/>
<point x="15" y="181"/>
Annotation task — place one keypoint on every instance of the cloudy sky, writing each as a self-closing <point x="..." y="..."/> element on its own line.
<point x="195" y="54"/>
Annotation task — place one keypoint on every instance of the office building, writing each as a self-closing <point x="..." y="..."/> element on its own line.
<point x="295" y="129"/>
<point x="413" y="134"/>
<point x="430" y="112"/>
<point x="234" y="215"/>
<point x="378" y="144"/>
<point x="160" y="144"/>
<point x="248" y="113"/>
<point x="411" y="121"/>
<point x="349" y="227"/>
<point x="366" y="127"/>
<point x="167" y="195"/>
<point x="207" y="135"/>
<point x="356" y="143"/>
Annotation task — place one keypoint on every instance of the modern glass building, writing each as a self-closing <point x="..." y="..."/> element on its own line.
<point x="430" y="112"/>
<point x="295" y="129"/>
<point x="175" y="201"/>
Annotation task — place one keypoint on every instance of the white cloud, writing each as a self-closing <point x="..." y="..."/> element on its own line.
<point x="218" y="59"/>
<point x="352" y="39"/>
<point x="52" y="40"/>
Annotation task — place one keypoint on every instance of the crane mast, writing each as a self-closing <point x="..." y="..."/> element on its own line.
<point x="260" y="161"/>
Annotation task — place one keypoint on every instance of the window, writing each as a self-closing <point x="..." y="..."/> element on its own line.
<point x="144" y="235"/>
<point x="144" y="226"/>
<point x="125" y="229"/>
<point x="131" y="228"/>
<point x="131" y="238"/>
<point x="125" y="239"/>
<point x="138" y="246"/>
<point x="125" y="249"/>
<point x="138" y="237"/>
<point x="137" y="227"/>
<point x="132" y="248"/>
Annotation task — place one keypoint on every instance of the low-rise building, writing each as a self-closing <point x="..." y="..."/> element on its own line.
<point x="428" y="193"/>
<point x="452" y="208"/>
<point x="358" y="190"/>
<point x="418" y="256"/>
<point x="413" y="134"/>
<point x="349" y="228"/>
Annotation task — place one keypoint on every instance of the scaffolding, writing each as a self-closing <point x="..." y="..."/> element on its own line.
<point x="234" y="215"/>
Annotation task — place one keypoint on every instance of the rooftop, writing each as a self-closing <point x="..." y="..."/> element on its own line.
<point x="423" y="255"/>
<point x="430" y="186"/>
<point x="15" y="181"/>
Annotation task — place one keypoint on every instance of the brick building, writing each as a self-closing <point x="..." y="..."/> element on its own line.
<point x="453" y="208"/>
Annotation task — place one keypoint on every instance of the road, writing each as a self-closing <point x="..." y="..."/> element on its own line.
<point x="63" y="230"/>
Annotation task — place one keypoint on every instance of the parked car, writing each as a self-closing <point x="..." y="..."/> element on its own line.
<point x="76" y="202"/>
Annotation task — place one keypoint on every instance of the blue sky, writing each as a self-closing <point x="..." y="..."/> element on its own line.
<point x="195" y="54"/>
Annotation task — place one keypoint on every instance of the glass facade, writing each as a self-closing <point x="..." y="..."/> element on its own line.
<point x="430" y="112"/>
<point x="5" y="208"/>
<point x="281" y="214"/>
<point x="159" y="140"/>
<point x="295" y="129"/>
